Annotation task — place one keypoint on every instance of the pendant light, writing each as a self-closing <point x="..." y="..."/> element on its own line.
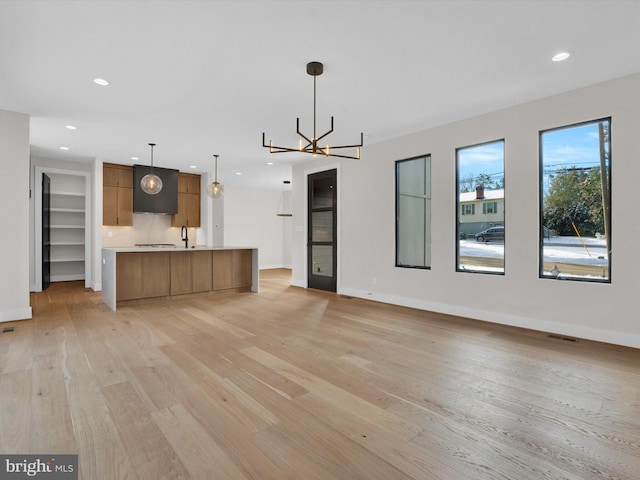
<point x="215" y="189"/>
<point x="151" y="183"/>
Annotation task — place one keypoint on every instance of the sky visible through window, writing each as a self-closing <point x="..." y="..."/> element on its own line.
<point x="482" y="159"/>
<point x="564" y="148"/>
<point x="577" y="147"/>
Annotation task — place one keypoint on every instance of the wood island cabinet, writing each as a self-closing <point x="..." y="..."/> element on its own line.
<point x="129" y="268"/>
<point x="142" y="275"/>
<point x="149" y="274"/>
<point x="232" y="269"/>
<point x="201" y="271"/>
<point x="188" y="201"/>
<point x="242" y="268"/>
<point x="222" y="269"/>
<point x="117" y="194"/>
<point x="191" y="272"/>
<point x="156" y="271"/>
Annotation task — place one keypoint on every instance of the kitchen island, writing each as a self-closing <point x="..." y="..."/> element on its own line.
<point x="143" y="272"/>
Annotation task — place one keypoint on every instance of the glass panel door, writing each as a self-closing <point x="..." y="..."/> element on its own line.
<point x="321" y="231"/>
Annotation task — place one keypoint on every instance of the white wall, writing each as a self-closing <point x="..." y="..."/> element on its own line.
<point x="250" y="220"/>
<point x="14" y="198"/>
<point x="604" y="312"/>
<point x="287" y="225"/>
<point x="59" y="166"/>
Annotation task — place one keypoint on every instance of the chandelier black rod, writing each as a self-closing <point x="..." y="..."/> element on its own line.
<point x="314" y="69"/>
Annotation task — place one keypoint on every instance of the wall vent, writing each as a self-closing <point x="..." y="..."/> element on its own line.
<point x="8" y="329"/>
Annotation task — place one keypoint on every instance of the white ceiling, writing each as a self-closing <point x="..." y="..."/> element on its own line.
<point x="205" y="77"/>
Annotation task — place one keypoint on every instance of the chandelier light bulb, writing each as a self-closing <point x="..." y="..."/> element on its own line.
<point x="309" y="144"/>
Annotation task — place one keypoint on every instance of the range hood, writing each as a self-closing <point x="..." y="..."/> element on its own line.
<point x="164" y="202"/>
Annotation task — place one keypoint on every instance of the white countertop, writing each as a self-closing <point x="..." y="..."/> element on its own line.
<point x="175" y="248"/>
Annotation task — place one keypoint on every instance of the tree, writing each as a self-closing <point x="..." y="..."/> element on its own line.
<point x="575" y="198"/>
<point x="469" y="183"/>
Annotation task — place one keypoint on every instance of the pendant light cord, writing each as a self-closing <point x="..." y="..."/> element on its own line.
<point x="152" y="145"/>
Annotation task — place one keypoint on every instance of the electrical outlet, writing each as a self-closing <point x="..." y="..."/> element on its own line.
<point x="109" y="234"/>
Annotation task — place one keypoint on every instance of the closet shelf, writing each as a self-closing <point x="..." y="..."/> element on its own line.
<point x="67" y="226"/>
<point x="67" y="194"/>
<point x="68" y="259"/>
<point x="70" y="210"/>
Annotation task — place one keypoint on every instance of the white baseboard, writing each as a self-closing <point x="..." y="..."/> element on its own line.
<point x="272" y="267"/>
<point x="15" y="314"/>
<point x="67" y="278"/>
<point x="96" y="287"/>
<point x="579" y="331"/>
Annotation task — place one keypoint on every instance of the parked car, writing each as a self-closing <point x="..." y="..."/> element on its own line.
<point x="493" y="233"/>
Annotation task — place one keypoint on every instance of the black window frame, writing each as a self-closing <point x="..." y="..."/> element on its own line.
<point x="458" y="208"/>
<point x="541" y="227"/>
<point x="397" y="164"/>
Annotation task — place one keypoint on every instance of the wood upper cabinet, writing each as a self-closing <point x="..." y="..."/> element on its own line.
<point x="117" y="175"/>
<point x="188" y="183"/>
<point x="117" y="195"/>
<point x="188" y="201"/>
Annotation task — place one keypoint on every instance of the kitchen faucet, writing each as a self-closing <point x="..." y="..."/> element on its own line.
<point x="184" y="236"/>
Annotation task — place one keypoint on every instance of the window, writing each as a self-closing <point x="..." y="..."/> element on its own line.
<point x="480" y="180"/>
<point x="489" y="207"/>
<point x="575" y="202"/>
<point x="413" y="212"/>
<point x="468" y="209"/>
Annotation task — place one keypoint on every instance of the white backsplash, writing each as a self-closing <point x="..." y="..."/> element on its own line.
<point x="147" y="228"/>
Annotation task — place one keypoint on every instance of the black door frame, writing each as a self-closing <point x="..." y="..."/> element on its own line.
<point x="46" y="232"/>
<point x="322" y="282"/>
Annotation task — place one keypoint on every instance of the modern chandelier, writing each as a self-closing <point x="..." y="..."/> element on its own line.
<point x="151" y="183"/>
<point x="215" y="189"/>
<point x="310" y="145"/>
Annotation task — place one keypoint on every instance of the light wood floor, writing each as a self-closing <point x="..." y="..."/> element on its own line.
<point x="296" y="384"/>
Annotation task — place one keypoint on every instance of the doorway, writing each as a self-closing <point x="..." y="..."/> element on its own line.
<point x="322" y="235"/>
<point x="69" y="223"/>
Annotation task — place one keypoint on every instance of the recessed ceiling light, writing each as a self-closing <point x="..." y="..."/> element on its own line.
<point x="70" y="127"/>
<point x="64" y="148"/>
<point x="135" y="158"/>
<point x="238" y="173"/>
<point x="269" y="163"/>
<point x="193" y="166"/>
<point x="560" y="56"/>
<point x="100" y="81"/>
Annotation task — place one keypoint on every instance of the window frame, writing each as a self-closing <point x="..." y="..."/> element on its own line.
<point x="458" y="209"/>
<point x="427" y="232"/>
<point x="541" y="198"/>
